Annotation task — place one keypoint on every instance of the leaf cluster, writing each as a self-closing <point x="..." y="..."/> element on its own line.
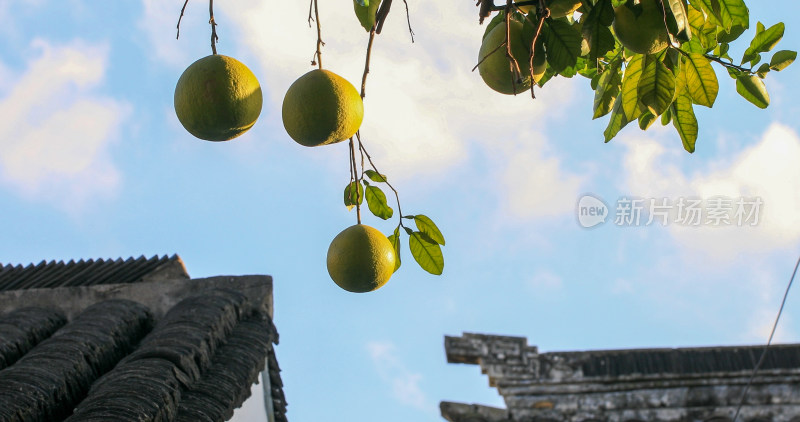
<point x="666" y="85"/>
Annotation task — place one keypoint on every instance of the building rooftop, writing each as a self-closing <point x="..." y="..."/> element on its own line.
<point x="155" y="347"/>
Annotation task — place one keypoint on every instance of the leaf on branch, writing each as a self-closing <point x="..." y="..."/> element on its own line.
<point x="646" y="120"/>
<point x="782" y="59"/>
<point x="426" y="252"/>
<point x="630" y="87"/>
<point x="701" y="80"/>
<point x="679" y="18"/>
<point x="752" y="88"/>
<point x="608" y="88"/>
<point x="656" y="85"/>
<point x="394" y="239"/>
<point x="764" y="41"/>
<point x="617" y="121"/>
<point x="563" y="44"/>
<point x="375" y="176"/>
<point x="596" y="30"/>
<point x="685" y="121"/>
<point x="427" y="226"/>
<point x="703" y="32"/>
<point x="376" y="201"/>
<point x="353" y="194"/>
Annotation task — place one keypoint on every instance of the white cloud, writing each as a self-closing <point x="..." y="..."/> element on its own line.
<point x="767" y="170"/>
<point x="54" y="132"/>
<point x="404" y="383"/>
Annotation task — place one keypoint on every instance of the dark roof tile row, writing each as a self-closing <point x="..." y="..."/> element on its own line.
<point x="23" y="329"/>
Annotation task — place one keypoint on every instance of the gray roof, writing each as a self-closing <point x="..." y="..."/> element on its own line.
<point x="182" y="350"/>
<point x="90" y="272"/>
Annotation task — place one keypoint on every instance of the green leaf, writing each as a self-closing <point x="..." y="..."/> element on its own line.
<point x="782" y="59"/>
<point x="427" y="226"/>
<point x="617" y="121"/>
<point x="666" y="117"/>
<point x="608" y="88"/>
<point x="728" y="36"/>
<point x="656" y="85"/>
<point x="375" y="176"/>
<point x="630" y="87"/>
<point x="764" y="41"/>
<point x="727" y="12"/>
<point x="685" y="122"/>
<point x="377" y="203"/>
<point x="366" y="11"/>
<point x="646" y="120"/>
<point x="596" y="30"/>
<point x="353" y="194"/>
<point x="752" y="88"/>
<point x="703" y="32"/>
<point x="563" y="44"/>
<point x="701" y="80"/>
<point x="426" y="252"/>
<point x="763" y="70"/>
<point x="681" y="20"/>
<point x="394" y="239"/>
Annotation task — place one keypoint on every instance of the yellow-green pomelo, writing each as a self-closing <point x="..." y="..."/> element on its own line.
<point x="495" y="69"/>
<point x="217" y="98"/>
<point x="644" y="34"/>
<point x="321" y="108"/>
<point x="558" y="8"/>
<point x="361" y="259"/>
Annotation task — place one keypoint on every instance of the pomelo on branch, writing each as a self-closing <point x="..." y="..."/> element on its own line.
<point x="322" y="108"/>
<point x="361" y="259"/>
<point x="644" y="34"/>
<point x="495" y="69"/>
<point x="217" y="98"/>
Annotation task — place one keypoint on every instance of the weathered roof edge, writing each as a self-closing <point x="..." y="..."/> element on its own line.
<point x="159" y="295"/>
<point x="462" y="412"/>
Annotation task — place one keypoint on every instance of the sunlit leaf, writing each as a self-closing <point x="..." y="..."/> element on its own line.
<point x="685" y="122"/>
<point x="353" y="194"/>
<point x="617" y="121"/>
<point x="608" y="88"/>
<point x="375" y="176"/>
<point x="764" y="41"/>
<point x="782" y="59"/>
<point x="563" y="44"/>
<point x="656" y="85"/>
<point x="752" y="88"/>
<point x="701" y="80"/>
<point x="630" y="87"/>
<point x="427" y="226"/>
<point x="426" y="252"/>
<point x="376" y="201"/>
<point x="394" y="239"/>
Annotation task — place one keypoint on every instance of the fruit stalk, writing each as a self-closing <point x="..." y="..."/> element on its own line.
<point x="214" y="37"/>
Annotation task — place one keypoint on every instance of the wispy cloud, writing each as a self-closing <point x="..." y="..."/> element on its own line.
<point x="404" y="382"/>
<point x="54" y="131"/>
<point x="768" y="170"/>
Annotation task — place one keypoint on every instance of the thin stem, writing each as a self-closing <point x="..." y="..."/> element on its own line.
<point x="355" y="181"/>
<point x="513" y="65"/>
<point x="544" y="13"/>
<point x="366" y="64"/>
<point x="372" y="164"/>
<point x="320" y="43"/>
<point x="408" y="20"/>
<point x="214" y="37"/>
<point x="183" y="9"/>
<point x="720" y="61"/>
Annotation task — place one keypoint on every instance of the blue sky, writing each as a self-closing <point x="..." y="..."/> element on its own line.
<point x="95" y="164"/>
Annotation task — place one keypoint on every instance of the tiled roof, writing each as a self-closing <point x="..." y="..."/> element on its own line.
<point x="171" y="350"/>
<point x="90" y="272"/>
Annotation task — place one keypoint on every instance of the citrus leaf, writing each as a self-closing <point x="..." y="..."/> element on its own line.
<point x="617" y="121"/>
<point x="782" y="59"/>
<point x="375" y="176"/>
<point x="630" y="87"/>
<point x="608" y="88"/>
<point x="703" y="31"/>
<point x="353" y="195"/>
<point x="427" y="226"/>
<point x="366" y="11"/>
<point x="595" y="29"/>
<point x="656" y="85"/>
<point x="394" y="239"/>
<point x="646" y="120"/>
<point x="427" y="253"/>
<point x="752" y="88"/>
<point x="763" y="42"/>
<point x="680" y="15"/>
<point x="685" y="122"/>
<point x="377" y="203"/>
<point x="563" y="44"/>
<point x="701" y="80"/>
